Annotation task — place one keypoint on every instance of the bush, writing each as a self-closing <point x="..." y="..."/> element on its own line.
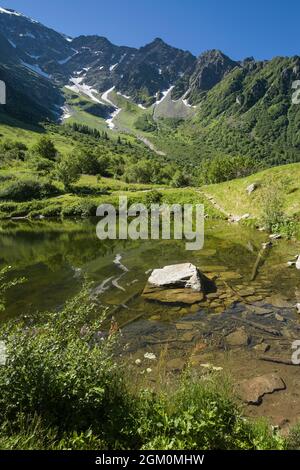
<point x="271" y="198"/>
<point x="45" y="148"/>
<point x="63" y="372"/>
<point x="68" y="170"/>
<point x="27" y="189"/>
<point x="224" y="168"/>
<point x="83" y="208"/>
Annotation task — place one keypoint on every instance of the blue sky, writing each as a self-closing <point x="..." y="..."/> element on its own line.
<point x="262" y="28"/>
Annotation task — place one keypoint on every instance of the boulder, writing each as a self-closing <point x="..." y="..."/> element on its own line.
<point x="179" y="283"/>
<point x="298" y="263"/>
<point x="177" y="275"/>
<point x="253" y="390"/>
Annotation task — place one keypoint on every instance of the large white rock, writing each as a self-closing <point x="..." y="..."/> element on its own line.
<point x="177" y="275"/>
<point x="298" y="262"/>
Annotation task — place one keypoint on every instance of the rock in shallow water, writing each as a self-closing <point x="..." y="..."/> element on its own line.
<point x="177" y="275"/>
<point x="179" y="283"/>
<point x="253" y="390"/>
<point x="238" y="338"/>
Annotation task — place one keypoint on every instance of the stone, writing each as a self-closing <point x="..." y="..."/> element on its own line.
<point x="262" y="347"/>
<point x="188" y="336"/>
<point x="253" y="390"/>
<point x="298" y="307"/>
<point x="246" y="292"/>
<point x="179" y="283"/>
<point x="238" y="338"/>
<point x="251" y="188"/>
<point x="171" y="296"/>
<point x="291" y="263"/>
<point x="279" y="317"/>
<point x="275" y="236"/>
<point x="260" y="310"/>
<point x="212" y="296"/>
<point x="177" y="275"/>
<point x="298" y="263"/>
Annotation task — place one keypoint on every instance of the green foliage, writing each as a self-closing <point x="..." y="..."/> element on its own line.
<point x="145" y="123"/>
<point x="180" y="179"/>
<point x="222" y="168"/>
<point x="68" y="170"/>
<point x="61" y="369"/>
<point x="45" y="148"/>
<point x="61" y="389"/>
<point x="27" y="189"/>
<point x="272" y="205"/>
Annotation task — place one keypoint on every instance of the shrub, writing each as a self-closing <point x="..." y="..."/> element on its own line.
<point x="45" y="148"/>
<point x="68" y="170"/>
<point x="271" y="198"/>
<point x="224" y="168"/>
<point x="82" y="208"/>
<point x="63" y="372"/>
<point x="27" y="189"/>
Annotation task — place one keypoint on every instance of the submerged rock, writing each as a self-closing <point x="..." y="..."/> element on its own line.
<point x="172" y="296"/>
<point x="238" y="338"/>
<point x="253" y="390"/>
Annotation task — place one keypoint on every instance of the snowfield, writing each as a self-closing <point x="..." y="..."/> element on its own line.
<point x="83" y="89"/>
<point x="105" y="98"/>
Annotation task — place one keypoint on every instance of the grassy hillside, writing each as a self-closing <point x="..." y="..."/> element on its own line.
<point x="232" y="195"/>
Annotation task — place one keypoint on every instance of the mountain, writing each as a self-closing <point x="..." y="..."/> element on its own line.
<point x="233" y="107"/>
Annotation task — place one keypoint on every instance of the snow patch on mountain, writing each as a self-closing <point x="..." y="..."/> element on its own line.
<point x="110" y="122"/>
<point x="83" y="89"/>
<point x="164" y="95"/>
<point x="9" y="12"/>
<point x="105" y="98"/>
<point x="124" y="96"/>
<point x="27" y="35"/>
<point x="66" y="112"/>
<point x="112" y="67"/>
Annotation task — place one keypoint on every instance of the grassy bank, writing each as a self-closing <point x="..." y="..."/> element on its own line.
<point x="275" y="186"/>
